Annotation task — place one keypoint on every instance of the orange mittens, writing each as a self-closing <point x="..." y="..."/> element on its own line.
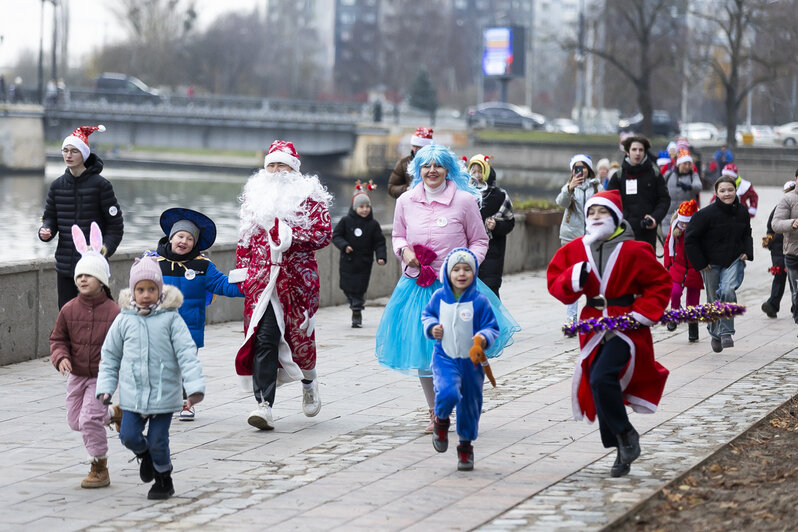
<point x="477" y="351"/>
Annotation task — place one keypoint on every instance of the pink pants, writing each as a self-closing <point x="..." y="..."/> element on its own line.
<point x="87" y="414"/>
<point x="692" y="299"/>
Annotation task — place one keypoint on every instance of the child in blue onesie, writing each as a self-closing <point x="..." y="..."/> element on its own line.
<point x="462" y="322"/>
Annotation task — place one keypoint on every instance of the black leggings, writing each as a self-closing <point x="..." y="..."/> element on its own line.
<point x="605" y="371"/>
<point x="67" y="289"/>
<point x="265" y="362"/>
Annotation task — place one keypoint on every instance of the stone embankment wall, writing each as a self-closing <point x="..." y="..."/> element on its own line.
<point x="28" y="300"/>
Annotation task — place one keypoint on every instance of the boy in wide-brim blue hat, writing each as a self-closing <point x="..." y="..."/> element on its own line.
<point x="189" y="232"/>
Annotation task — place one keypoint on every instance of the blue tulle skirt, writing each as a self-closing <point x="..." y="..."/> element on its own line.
<point x="401" y="344"/>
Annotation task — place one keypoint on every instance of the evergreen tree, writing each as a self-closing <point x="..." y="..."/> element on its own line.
<point x="422" y="94"/>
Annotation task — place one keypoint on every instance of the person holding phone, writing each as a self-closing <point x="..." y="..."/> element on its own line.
<point x="581" y="185"/>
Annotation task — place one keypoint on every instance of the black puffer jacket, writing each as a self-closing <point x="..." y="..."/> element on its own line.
<point x="366" y="238"/>
<point x="493" y="197"/>
<point x="652" y="195"/>
<point x="82" y="200"/>
<point x="718" y="234"/>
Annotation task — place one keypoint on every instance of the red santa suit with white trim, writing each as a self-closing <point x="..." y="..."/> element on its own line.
<point x="284" y="220"/>
<point x="610" y="266"/>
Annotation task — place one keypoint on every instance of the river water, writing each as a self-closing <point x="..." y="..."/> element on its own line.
<point x="145" y="193"/>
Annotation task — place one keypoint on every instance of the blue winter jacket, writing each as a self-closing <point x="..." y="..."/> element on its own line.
<point x="205" y="280"/>
<point x="152" y="358"/>
<point x="461" y="318"/>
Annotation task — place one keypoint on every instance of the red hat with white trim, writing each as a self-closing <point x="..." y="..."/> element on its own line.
<point x="282" y="151"/>
<point x="730" y="170"/>
<point x="686" y="210"/>
<point x="611" y="199"/>
<point x="422" y="137"/>
<point x="80" y="139"/>
<point x="684" y="157"/>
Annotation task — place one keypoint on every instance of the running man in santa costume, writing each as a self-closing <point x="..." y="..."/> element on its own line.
<point x="284" y="220"/>
<point x="618" y="275"/>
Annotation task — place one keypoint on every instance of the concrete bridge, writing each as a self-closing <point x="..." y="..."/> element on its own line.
<point x="321" y="128"/>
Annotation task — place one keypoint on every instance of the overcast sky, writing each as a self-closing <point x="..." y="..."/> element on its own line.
<point x="92" y="25"/>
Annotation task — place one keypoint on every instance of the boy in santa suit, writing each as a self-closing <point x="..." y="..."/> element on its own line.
<point x="285" y="219"/>
<point x="618" y="275"/>
<point x="745" y="189"/>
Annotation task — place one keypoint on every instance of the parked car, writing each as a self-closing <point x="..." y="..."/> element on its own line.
<point x="121" y="88"/>
<point x="498" y="114"/>
<point x="662" y="123"/>
<point x="699" y="131"/>
<point x="563" y="125"/>
<point x="763" y="135"/>
<point x="787" y="133"/>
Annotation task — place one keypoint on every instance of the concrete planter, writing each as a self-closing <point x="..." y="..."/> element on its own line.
<point x="543" y="218"/>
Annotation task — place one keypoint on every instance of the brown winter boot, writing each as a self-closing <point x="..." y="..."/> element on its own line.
<point x="98" y="476"/>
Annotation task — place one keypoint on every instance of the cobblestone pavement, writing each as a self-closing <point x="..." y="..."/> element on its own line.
<point x="364" y="463"/>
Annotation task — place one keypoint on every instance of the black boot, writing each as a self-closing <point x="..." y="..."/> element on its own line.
<point x="163" y="487"/>
<point x="465" y="456"/>
<point x="692" y="332"/>
<point x="146" y="471"/>
<point x="628" y="446"/>
<point x="671" y="326"/>
<point x="619" y="469"/>
<point x="357" y="319"/>
<point x="440" y="434"/>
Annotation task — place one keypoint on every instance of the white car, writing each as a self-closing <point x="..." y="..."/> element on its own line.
<point x="699" y="131"/>
<point x="787" y="134"/>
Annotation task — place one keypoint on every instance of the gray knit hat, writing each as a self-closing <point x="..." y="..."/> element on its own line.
<point x="187" y="226"/>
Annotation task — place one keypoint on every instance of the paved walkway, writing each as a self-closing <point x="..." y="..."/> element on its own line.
<point x="363" y="462"/>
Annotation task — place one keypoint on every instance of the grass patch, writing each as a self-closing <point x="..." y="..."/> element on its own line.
<point x="543" y="137"/>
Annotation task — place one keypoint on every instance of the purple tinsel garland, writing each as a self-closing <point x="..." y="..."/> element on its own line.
<point x="706" y="313"/>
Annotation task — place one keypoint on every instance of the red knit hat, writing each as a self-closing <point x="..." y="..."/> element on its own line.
<point x="282" y="151"/>
<point x="611" y="199"/>
<point x="80" y="139"/>
<point x="422" y="137"/>
<point x="730" y="170"/>
<point x="686" y="210"/>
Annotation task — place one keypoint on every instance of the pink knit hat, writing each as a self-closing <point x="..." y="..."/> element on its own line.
<point x="146" y="269"/>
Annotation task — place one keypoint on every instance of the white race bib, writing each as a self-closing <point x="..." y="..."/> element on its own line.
<point x="631" y="187"/>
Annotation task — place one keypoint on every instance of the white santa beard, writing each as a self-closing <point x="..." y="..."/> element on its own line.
<point x="599" y="229"/>
<point x="280" y="195"/>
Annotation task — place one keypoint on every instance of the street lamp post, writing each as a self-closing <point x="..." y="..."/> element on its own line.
<point x="41" y="56"/>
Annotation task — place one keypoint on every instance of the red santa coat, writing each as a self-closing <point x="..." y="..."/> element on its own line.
<point x="632" y="268"/>
<point x="677" y="264"/>
<point x="281" y="269"/>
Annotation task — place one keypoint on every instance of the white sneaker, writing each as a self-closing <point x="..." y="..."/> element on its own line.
<point x="261" y="418"/>
<point x="311" y="402"/>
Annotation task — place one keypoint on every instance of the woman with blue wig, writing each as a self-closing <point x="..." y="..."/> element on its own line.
<point x="440" y="212"/>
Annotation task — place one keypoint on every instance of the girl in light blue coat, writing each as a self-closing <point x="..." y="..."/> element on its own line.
<point x="148" y="352"/>
<point x="581" y="185"/>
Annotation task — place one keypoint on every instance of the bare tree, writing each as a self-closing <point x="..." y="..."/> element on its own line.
<point x="747" y="43"/>
<point x="642" y="35"/>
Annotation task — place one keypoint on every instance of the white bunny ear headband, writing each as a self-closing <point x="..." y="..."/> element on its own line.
<point x="95" y="237"/>
<point x="96" y="240"/>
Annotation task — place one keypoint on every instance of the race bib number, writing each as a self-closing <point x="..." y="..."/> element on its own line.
<point x="631" y="187"/>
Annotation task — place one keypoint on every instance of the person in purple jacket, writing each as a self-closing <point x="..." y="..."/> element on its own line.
<point x="438" y="213"/>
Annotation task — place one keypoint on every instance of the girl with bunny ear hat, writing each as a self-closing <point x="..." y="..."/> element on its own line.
<point x="75" y="352"/>
<point x="92" y="261"/>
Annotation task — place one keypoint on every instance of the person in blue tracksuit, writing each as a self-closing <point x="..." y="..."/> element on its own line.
<point x="461" y="321"/>
<point x="183" y="265"/>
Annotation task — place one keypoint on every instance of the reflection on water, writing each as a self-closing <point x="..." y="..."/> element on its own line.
<point x="143" y="195"/>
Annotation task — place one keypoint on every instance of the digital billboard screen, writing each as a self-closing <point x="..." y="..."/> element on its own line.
<point x="503" y="51"/>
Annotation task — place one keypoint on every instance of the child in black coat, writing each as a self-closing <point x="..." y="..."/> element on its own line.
<point x="359" y="236"/>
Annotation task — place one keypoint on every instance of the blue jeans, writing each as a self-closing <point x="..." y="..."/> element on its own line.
<point x="157" y="439"/>
<point x="721" y="285"/>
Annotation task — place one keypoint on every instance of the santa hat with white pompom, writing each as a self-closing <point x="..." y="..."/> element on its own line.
<point x="80" y="139"/>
